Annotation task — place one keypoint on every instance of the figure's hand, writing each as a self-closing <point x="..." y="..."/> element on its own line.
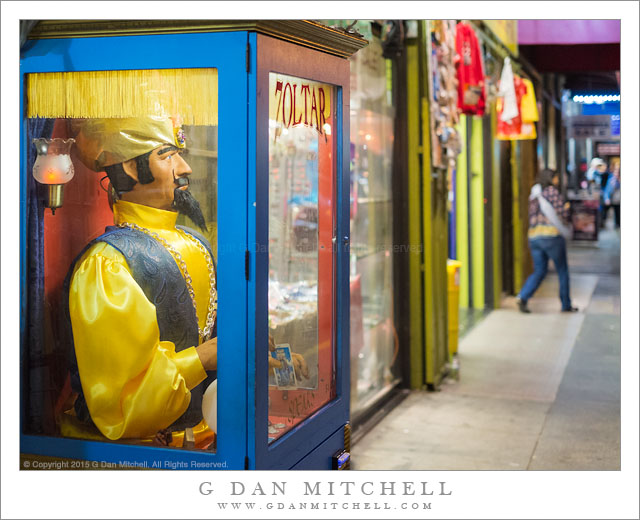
<point x="274" y="363"/>
<point x="163" y="438"/>
<point x="208" y="354"/>
<point x="567" y="205"/>
<point x="607" y="202"/>
<point x="300" y="366"/>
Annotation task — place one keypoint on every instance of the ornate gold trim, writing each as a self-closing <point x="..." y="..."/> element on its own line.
<point x="347" y="444"/>
<point x="302" y="32"/>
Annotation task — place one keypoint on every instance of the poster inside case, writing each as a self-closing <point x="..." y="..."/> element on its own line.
<point x="284" y="374"/>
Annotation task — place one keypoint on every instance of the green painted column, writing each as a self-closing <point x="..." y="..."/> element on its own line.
<point x="517" y="221"/>
<point x="431" y="357"/>
<point x="497" y="213"/>
<point x="462" y="204"/>
<point x="476" y="194"/>
<point x="416" y="347"/>
<point x="434" y="234"/>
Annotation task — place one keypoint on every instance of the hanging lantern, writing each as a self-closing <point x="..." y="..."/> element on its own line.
<point x="53" y="168"/>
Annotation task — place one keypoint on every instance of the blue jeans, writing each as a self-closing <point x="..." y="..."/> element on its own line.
<point x="541" y="250"/>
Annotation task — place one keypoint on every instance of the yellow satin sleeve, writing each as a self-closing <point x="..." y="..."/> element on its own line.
<point x="134" y="384"/>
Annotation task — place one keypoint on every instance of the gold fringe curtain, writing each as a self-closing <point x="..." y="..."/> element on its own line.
<point x="191" y="94"/>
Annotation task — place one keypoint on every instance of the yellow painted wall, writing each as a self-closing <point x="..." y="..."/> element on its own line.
<point x="476" y="192"/>
<point x="497" y="214"/>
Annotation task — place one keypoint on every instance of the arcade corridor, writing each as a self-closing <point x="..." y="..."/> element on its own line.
<point x="536" y="391"/>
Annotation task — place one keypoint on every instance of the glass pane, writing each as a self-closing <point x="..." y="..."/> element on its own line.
<point x="301" y="223"/>
<point x="123" y="331"/>
<point x="374" y="349"/>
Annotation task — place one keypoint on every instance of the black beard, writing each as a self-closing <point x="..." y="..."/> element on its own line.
<point x="186" y="204"/>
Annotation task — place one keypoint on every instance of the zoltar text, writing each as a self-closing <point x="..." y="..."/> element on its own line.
<point x="301" y="103"/>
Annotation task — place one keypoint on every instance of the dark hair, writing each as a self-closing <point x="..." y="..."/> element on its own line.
<point x="119" y="179"/>
<point x="545" y="177"/>
<point x="144" y="171"/>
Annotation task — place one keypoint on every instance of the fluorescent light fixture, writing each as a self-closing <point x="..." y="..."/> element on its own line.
<point x="597" y="99"/>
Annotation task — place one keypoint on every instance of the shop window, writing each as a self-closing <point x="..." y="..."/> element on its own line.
<point x="374" y="344"/>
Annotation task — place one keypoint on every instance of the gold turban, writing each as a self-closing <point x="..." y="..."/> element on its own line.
<point x="108" y="141"/>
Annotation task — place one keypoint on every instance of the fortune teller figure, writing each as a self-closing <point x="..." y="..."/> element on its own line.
<point x="142" y="297"/>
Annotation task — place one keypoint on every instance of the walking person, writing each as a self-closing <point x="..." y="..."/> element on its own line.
<point x="548" y="231"/>
<point x="611" y="195"/>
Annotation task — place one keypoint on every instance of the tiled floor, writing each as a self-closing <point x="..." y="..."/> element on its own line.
<point x="536" y="391"/>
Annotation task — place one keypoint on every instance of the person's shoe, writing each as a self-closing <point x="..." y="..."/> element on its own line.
<point x="570" y="309"/>
<point x="522" y="306"/>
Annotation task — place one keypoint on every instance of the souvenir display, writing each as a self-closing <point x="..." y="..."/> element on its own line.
<point x="507" y="90"/>
<point x="445" y="141"/>
<point x="470" y="71"/>
<point x="523" y="125"/>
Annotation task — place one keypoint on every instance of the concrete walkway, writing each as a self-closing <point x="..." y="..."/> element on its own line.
<point x="537" y="391"/>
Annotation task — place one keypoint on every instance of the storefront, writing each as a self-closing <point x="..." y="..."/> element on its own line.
<point x="226" y="347"/>
<point x="592" y="126"/>
<point x="495" y="171"/>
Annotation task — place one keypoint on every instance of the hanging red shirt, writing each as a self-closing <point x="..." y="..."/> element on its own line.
<point x="471" y="95"/>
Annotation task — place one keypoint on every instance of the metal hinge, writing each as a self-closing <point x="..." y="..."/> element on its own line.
<point x="247" y="265"/>
<point x="246" y="462"/>
<point x="248" y="57"/>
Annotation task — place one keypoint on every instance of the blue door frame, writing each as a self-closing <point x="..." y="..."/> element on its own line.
<point x="227" y="53"/>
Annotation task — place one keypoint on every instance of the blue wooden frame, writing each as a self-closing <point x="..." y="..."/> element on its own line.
<point x="225" y="52"/>
<point x="277" y="56"/>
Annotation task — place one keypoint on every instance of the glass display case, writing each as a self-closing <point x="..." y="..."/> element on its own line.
<point x="185" y="298"/>
<point x="375" y="365"/>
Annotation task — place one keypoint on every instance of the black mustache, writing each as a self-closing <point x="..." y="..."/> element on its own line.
<point x="181" y="181"/>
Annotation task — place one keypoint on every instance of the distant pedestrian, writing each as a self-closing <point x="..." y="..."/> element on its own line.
<point x="611" y="195"/>
<point x="548" y="231"/>
<point x="597" y="169"/>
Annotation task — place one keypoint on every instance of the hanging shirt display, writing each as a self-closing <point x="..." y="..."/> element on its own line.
<point x="471" y="93"/>
<point x="511" y="127"/>
<point x="528" y="112"/>
<point x="523" y="125"/>
<point x="507" y="92"/>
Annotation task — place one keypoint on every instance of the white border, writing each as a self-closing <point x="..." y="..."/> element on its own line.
<point x="175" y="494"/>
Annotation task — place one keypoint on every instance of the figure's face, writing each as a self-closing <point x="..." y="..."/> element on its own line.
<point x="167" y="166"/>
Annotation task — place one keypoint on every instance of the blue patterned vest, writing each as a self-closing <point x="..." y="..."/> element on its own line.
<point x="156" y="272"/>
